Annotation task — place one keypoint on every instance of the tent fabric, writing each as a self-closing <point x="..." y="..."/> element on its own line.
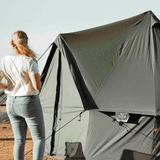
<point x="115" y="63"/>
<point x="107" y="139"/>
<point x="102" y="71"/>
<point x="70" y="106"/>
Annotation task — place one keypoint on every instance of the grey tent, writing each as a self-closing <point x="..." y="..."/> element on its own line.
<point x="101" y="92"/>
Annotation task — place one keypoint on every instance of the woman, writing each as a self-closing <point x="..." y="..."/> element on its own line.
<point x="22" y="89"/>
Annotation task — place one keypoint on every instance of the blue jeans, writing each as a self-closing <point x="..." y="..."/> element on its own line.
<point x="24" y="111"/>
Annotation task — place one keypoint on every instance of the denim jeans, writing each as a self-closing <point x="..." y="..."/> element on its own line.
<point x="23" y="111"/>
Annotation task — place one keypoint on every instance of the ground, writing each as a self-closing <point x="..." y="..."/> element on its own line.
<point x="7" y="143"/>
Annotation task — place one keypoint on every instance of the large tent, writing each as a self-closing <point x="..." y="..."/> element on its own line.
<point x="101" y="92"/>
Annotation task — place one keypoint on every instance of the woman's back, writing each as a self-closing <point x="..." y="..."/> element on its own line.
<point x="17" y="71"/>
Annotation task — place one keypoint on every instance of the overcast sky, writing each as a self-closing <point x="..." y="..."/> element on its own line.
<point x="43" y="20"/>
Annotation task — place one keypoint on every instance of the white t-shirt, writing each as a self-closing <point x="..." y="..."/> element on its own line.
<point x="17" y="71"/>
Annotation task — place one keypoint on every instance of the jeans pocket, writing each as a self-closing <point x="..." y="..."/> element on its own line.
<point x="27" y="108"/>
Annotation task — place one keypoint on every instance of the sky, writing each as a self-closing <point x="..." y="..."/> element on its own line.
<point x="43" y="20"/>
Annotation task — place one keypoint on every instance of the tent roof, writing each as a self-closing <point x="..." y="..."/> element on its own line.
<point x="115" y="67"/>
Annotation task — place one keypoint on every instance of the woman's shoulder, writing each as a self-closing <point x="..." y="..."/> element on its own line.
<point x="24" y="58"/>
<point x="7" y="57"/>
<point x="16" y="57"/>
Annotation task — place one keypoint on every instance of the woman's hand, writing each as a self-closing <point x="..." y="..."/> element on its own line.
<point x="3" y="86"/>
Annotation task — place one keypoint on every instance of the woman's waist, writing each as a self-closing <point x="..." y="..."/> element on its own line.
<point x="22" y="99"/>
<point x="13" y="96"/>
<point x="22" y="94"/>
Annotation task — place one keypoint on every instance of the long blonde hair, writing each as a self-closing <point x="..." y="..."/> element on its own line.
<point x="20" y="44"/>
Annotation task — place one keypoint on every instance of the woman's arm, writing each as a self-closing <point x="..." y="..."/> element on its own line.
<point x="36" y="81"/>
<point x="3" y="86"/>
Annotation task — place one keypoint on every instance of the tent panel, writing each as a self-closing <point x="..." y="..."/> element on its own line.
<point x="130" y="89"/>
<point x="47" y="98"/>
<point x="84" y="93"/>
<point x="156" y="45"/>
<point x="71" y="129"/>
<point x="107" y="139"/>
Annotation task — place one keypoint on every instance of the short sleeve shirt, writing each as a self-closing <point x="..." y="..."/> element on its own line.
<point x="18" y="70"/>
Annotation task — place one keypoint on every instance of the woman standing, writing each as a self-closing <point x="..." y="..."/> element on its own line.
<point x="22" y="89"/>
